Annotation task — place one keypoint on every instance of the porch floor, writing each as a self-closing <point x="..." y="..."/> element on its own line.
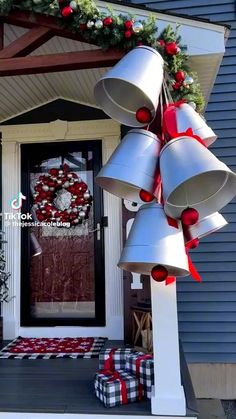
<point x="56" y="386"/>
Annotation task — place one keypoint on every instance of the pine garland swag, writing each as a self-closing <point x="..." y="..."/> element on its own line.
<point x="123" y="32"/>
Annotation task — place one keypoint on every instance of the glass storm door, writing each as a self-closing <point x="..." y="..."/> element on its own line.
<point x="62" y="248"/>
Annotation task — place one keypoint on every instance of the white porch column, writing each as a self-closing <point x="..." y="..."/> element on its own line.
<point x="168" y="393"/>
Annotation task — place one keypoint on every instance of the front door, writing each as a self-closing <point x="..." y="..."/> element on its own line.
<point x="62" y="275"/>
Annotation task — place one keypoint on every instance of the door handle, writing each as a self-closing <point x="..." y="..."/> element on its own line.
<point x="98" y="230"/>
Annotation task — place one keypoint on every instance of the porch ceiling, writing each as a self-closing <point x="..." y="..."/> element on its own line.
<point x="21" y="93"/>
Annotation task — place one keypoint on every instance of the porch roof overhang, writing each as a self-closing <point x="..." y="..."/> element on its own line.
<point x="205" y="43"/>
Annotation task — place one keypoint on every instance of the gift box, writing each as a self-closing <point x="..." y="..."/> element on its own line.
<point x="142" y="366"/>
<point x="113" y="358"/>
<point x="117" y="388"/>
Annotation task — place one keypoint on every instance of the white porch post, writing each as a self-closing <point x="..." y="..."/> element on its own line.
<point x="168" y="395"/>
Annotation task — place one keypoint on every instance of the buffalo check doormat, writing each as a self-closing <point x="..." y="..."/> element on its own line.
<point x="49" y="348"/>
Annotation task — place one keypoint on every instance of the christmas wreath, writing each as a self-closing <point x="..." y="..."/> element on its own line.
<point x="61" y="196"/>
<point x="124" y="32"/>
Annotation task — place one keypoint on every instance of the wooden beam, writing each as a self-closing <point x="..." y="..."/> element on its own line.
<point x="26" y="19"/>
<point x="27" y="43"/>
<point x="78" y="60"/>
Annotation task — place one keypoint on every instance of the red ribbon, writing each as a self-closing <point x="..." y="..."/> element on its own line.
<point x="170" y="280"/>
<point x="189" y="133"/>
<point x="193" y="271"/>
<point x="109" y="362"/>
<point x="116" y="376"/>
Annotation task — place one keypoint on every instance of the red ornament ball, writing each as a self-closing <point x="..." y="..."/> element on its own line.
<point x="159" y="273"/>
<point x="161" y="42"/>
<point x="146" y="196"/>
<point x="180" y="76"/>
<point x="176" y="86"/>
<point x="107" y="21"/>
<point x="171" y="48"/>
<point x="143" y="115"/>
<point x="193" y="244"/>
<point x="53" y="172"/>
<point x="128" y="24"/>
<point x="189" y="216"/>
<point x="128" y="34"/>
<point x="66" y="11"/>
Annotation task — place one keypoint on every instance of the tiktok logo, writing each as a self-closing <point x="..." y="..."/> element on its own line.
<point x="17" y="202"/>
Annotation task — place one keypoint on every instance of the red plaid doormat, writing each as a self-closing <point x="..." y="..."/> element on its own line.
<point x="49" y="348"/>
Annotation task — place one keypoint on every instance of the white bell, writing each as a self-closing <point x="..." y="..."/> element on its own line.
<point x="133" y="83"/>
<point x="152" y="241"/>
<point x="132" y="166"/>
<point x="193" y="177"/>
<point x="205" y="226"/>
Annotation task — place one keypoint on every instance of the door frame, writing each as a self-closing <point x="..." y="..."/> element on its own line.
<point x="99" y="280"/>
<point x="108" y="131"/>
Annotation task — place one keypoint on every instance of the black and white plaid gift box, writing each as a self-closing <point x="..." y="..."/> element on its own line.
<point x="142" y="366"/>
<point x="113" y="358"/>
<point x="110" y="389"/>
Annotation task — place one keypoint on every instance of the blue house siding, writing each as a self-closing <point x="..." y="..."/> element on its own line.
<point x="207" y="311"/>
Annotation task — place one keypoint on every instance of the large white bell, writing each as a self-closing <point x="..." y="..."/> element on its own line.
<point x="132" y="166"/>
<point x="206" y="226"/>
<point x="187" y="117"/>
<point x="193" y="177"/>
<point x="152" y="241"/>
<point x="134" y="82"/>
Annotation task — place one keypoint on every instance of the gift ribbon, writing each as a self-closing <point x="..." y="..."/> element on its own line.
<point x="116" y="376"/>
<point x="193" y="271"/>
<point x="109" y="362"/>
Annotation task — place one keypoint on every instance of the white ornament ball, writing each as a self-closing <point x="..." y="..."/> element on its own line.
<point x="188" y="80"/>
<point x="43" y="212"/>
<point x="76" y="221"/>
<point x="86" y="195"/>
<point x="68" y="211"/>
<point x="98" y="24"/>
<point x="74" y="210"/>
<point x="71" y="182"/>
<point x="73" y="5"/>
<point x="84" y="208"/>
<point x="60" y="172"/>
<point x="44" y="201"/>
<point x="74" y="196"/>
<point x="193" y="105"/>
<point x="66" y="184"/>
<point x="35" y="195"/>
<point x="79" y="179"/>
<point x="82" y="214"/>
<point x="52" y="188"/>
<point x="137" y="27"/>
<point x="75" y="180"/>
<point x="45" y="188"/>
<point x="58" y="219"/>
<point x="69" y="175"/>
<point x="59" y="181"/>
<point x="54" y="178"/>
<point x="90" y="24"/>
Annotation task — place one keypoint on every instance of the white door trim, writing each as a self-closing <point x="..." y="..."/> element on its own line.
<point x="12" y="136"/>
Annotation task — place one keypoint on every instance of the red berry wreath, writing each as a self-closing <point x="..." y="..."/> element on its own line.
<point x="62" y="197"/>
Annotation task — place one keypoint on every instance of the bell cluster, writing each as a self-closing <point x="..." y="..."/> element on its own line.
<point x="164" y="165"/>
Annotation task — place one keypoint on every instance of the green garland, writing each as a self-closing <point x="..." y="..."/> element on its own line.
<point x="117" y="31"/>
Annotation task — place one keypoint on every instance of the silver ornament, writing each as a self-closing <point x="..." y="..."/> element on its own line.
<point x="45" y="188"/>
<point x="73" y="5"/>
<point x="75" y="180"/>
<point x="54" y="178"/>
<point x="188" y="80"/>
<point x="59" y="181"/>
<point x="86" y="195"/>
<point x="82" y="214"/>
<point x="35" y="195"/>
<point x="44" y="201"/>
<point x="137" y="27"/>
<point x="98" y="24"/>
<point x="76" y="221"/>
<point x="60" y="172"/>
<point x="69" y="175"/>
<point x="72" y="199"/>
<point x="74" y="196"/>
<point x="74" y="210"/>
<point x="79" y="179"/>
<point x="43" y="212"/>
<point x="58" y="219"/>
<point x="68" y="211"/>
<point x="193" y="105"/>
<point x="90" y="24"/>
<point x="71" y="182"/>
<point x="84" y="208"/>
<point x="66" y="184"/>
